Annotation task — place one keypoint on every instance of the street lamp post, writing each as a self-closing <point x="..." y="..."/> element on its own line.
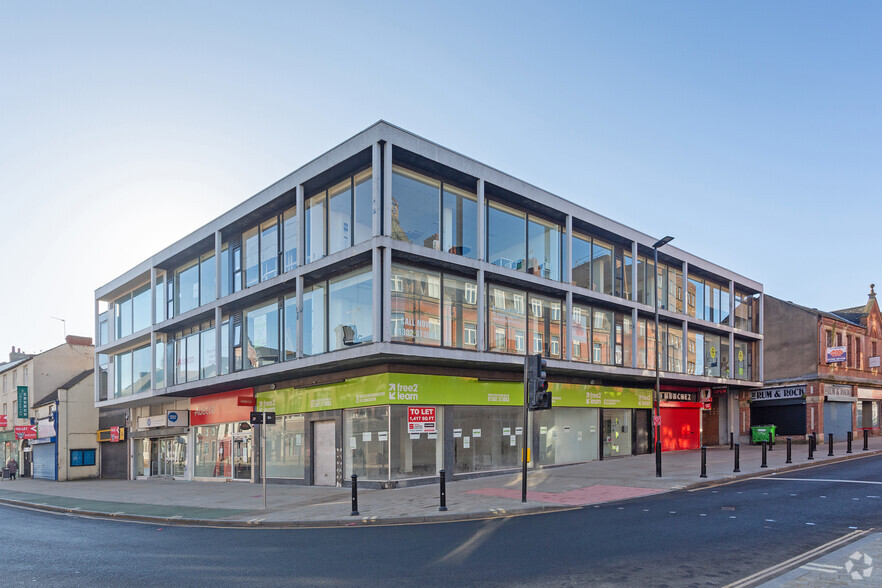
<point x="657" y="428"/>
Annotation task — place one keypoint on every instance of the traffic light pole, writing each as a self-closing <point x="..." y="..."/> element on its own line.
<point x="526" y="432"/>
<point x="263" y="455"/>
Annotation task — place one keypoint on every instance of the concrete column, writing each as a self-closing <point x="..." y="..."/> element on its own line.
<point x="377" y="289"/>
<point x="298" y="281"/>
<point x="376" y="190"/>
<point x="387" y="296"/>
<point x="387" y="189"/>
<point x="760" y="376"/>
<point x="731" y="303"/>
<point x="218" y="340"/>
<point x="634" y="272"/>
<point x="482" y="312"/>
<point x="568" y="341"/>
<point x="684" y="358"/>
<point x="482" y="229"/>
<point x="634" y="338"/>
<point x="300" y="213"/>
<point x="685" y="286"/>
<point x="568" y="247"/>
<point x="218" y="266"/>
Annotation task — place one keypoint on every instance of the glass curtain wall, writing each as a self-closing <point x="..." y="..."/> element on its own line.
<point x="350" y="310"/>
<point x="262" y="334"/>
<point x="506" y="236"/>
<point x="544" y="326"/>
<point x="338" y="217"/>
<point x="543" y="249"/>
<point x="460" y="313"/>
<point x="506" y="320"/>
<point x="416" y="306"/>
<point x="285" y="448"/>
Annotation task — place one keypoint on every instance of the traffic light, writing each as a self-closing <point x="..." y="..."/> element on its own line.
<point x="540" y="397"/>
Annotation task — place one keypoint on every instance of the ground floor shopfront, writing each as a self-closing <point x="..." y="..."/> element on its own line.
<point x="395" y="429"/>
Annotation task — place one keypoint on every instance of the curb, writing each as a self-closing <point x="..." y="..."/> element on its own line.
<point x="409" y="520"/>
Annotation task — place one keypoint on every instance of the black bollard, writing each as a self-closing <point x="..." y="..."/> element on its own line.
<point x="811" y="444"/>
<point x="788" y="451"/>
<point x="731" y="440"/>
<point x="765" y="465"/>
<point x="830" y="443"/>
<point x="443" y="492"/>
<point x="771" y="441"/>
<point x="703" y="462"/>
<point x="354" y="496"/>
<point x="658" y="473"/>
<point x="848" y="443"/>
<point x="737" y="458"/>
<point x="866" y="440"/>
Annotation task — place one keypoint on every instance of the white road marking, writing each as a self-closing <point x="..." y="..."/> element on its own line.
<point x="821" y="480"/>
<point x="812" y="524"/>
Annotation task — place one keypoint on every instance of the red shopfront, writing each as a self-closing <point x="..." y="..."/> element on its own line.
<point x="222" y="436"/>
<point x="680" y="418"/>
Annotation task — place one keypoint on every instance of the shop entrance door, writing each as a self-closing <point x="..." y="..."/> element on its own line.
<point x="167" y="457"/>
<point x="242" y="456"/>
<point x="325" y="462"/>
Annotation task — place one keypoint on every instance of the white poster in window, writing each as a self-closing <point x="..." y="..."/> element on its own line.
<point x="414" y="436"/>
<point x="259" y="337"/>
<point x="592" y="429"/>
<point x="352" y="443"/>
<point x="543" y="430"/>
<point x="457" y="433"/>
<point x="519" y="430"/>
<point x="298" y="440"/>
<point x="433" y="435"/>
<point x="465" y="442"/>
<point x="476" y="433"/>
<point x="513" y="440"/>
<point x="366" y="436"/>
<point x="506" y="430"/>
<point x="382" y="435"/>
<point x="579" y="438"/>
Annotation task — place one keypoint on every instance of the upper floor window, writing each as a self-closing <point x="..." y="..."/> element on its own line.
<point x="194" y="284"/>
<point x="433" y="214"/>
<point x="520" y="241"/>
<point x="133" y="311"/>
<point x="745" y="311"/>
<point x="593" y="265"/>
<point x="339" y="216"/>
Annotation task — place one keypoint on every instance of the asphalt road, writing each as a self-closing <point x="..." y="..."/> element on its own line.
<point x="703" y="538"/>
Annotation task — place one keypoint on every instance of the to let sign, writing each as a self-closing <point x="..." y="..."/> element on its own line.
<point x="26" y="432"/>
<point x="421" y="419"/>
<point x="3" y="420"/>
<point x="23" y="403"/>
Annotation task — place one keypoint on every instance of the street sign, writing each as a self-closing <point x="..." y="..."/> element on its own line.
<point x="656" y="421"/>
<point x="247" y="401"/>
<point x="3" y="420"/>
<point x="270" y="418"/>
<point x="257" y="418"/>
<point x="26" y="432"/>
<point x="23" y="402"/>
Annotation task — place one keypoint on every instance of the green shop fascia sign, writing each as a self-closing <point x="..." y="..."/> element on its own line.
<point x="380" y="389"/>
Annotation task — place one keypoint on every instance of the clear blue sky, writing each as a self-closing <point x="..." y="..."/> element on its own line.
<point x="750" y="131"/>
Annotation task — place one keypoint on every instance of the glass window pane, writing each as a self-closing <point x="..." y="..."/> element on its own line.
<point x="674" y="338"/>
<point x="571" y="435"/>
<point x="208" y="369"/>
<point x="602" y="337"/>
<point x="413" y="455"/>
<point x="192" y="361"/>
<point x="159" y="375"/>
<point x="124" y="377"/>
<point x="601" y="267"/>
<point x="290" y="326"/>
<point x="415" y="202"/>
<point x="695" y="298"/>
<point x="141" y="308"/>
<point x="675" y="290"/>
<point x="367" y="453"/>
<point x="489" y="438"/>
<point x="581" y="261"/>
<point x="289" y="231"/>
<point x="460" y="313"/>
<point x="544" y="326"/>
<point x="141" y="370"/>
<point x="315" y="227"/>
<point x="506" y="320"/>
<point x="186" y="287"/>
<point x="543" y="249"/>
<point x="350" y="310"/>
<point x="581" y="333"/>
<point x="225" y="270"/>
<point x="416" y="306"/>
<point x="251" y="256"/>
<point x="225" y="348"/>
<point x="340" y="216"/>
<point x="628" y="276"/>
<point x="159" y="299"/>
<point x="123" y="310"/>
<point x="364" y="197"/>
<point x="724" y="305"/>
<point x="626" y="341"/>
<point x="269" y="250"/>
<point x="262" y="335"/>
<point x="506" y="232"/>
<point x="661" y="281"/>
<point x="314" y="320"/>
<point x="207" y="275"/>
<point x="286" y="448"/>
<point x="459" y="221"/>
<point x="712" y="355"/>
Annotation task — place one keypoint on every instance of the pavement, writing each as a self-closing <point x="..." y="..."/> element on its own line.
<point x="549" y="489"/>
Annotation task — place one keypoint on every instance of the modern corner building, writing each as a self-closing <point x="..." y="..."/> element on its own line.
<point x="381" y="299"/>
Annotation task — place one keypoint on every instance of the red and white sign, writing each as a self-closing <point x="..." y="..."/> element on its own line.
<point x="26" y="432"/>
<point x="220" y="408"/>
<point x="656" y="421"/>
<point x="247" y="401"/>
<point x="3" y="420"/>
<point x="421" y="419"/>
<point x="114" y="434"/>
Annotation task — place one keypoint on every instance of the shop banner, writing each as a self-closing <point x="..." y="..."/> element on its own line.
<point x="26" y="432"/>
<point x="22" y="402"/>
<point x="380" y="389"/>
<point x="869" y="393"/>
<point x="219" y="408"/>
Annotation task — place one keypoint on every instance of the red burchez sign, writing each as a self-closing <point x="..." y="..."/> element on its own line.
<point x="219" y="408"/>
<point x="421" y="419"/>
<point x="26" y="432"/>
<point x="114" y="434"/>
<point x="3" y="420"/>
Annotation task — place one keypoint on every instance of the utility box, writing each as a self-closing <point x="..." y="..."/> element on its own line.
<point x="760" y="433"/>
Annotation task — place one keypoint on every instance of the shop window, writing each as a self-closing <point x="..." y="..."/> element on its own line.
<point x="581" y="333"/>
<point x="487" y="438"/>
<point x="603" y="337"/>
<point x="82" y="457"/>
<point x="414" y="454"/>
<point x="366" y="439"/>
<point x="567" y="435"/>
<point x="286" y="448"/>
